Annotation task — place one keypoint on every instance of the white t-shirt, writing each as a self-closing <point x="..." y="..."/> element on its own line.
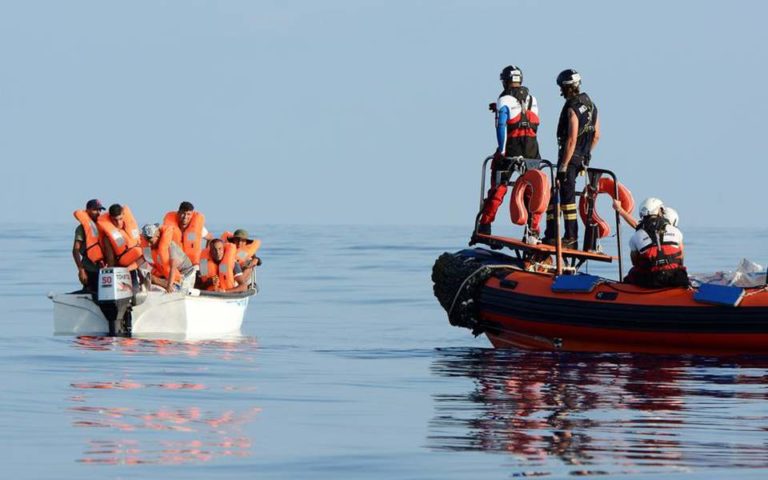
<point x="640" y="241"/>
<point x="514" y="106"/>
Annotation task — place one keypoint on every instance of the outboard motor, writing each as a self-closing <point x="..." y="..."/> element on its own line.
<point x="114" y="299"/>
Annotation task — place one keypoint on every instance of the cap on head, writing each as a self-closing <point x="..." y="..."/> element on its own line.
<point x="569" y="77"/>
<point x="115" y="209"/>
<point x="241" y="233"/>
<point x="149" y="230"/>
<point x="671" y="215"/>
<point x="651" y="206"/>
<point x="511" y="73"/>
<point x="94" y="204"/>
<point x="186" y="207"/>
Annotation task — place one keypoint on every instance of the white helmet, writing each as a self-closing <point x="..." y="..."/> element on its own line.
<point x="651" y="206"/>
<point x="671" y="215"/>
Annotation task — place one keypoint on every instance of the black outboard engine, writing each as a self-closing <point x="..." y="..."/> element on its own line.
<point x="114" y="299"/>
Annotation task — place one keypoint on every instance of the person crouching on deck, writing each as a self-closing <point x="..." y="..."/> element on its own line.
<point x="171" y="267"/>
<point x="656" y="250"/>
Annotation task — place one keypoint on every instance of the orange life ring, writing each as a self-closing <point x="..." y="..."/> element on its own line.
<point x="533" y="187"/>
<point x="606" y="185"/>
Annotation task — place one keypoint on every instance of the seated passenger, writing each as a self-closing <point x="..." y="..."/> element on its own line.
<point x="246" y="250"/>
<point x="219" y="270"/>
<point x="656" y="249"/>
<point x="669" y="213"/>
<point x="168" y="259"/>
<point x="86" y="249"/>
<point x="121" y="247"/>
<point x="191" y="230"/>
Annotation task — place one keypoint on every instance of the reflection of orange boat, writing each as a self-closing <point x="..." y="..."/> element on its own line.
<point x="530" y="301"/>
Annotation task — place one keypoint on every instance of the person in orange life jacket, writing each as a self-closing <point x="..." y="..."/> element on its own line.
<point x="215" y="254"/>
<point x="191" y="225"/>
<point x="517" y="120"/>
<point x="656" y="250"/>
<point x="86" y="249"/>
<point x="578" y="132"/>
<point x="175" y="266"/>
<point x="241" y="241"/>
<point x="117" y="220"/>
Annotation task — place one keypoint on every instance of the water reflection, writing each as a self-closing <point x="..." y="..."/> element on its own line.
<point x="590" y="414"/>
<point x="163" y="415"/>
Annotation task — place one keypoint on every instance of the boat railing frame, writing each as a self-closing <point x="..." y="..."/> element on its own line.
<point x="520" y="165"/>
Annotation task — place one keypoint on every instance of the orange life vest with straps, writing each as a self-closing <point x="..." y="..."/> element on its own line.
<point x="662" y="253"/>
<point x="526" y="123"/>
<point x="92" y="236"/>
<point x="191" y="239"/>
<point x="125" y="241"/>
<point x="161" y="254"/>
<point x="224" y="269"/>
<point x="244" y="253"/>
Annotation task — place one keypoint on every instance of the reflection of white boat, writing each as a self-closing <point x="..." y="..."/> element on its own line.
<point x="190" y="315"/>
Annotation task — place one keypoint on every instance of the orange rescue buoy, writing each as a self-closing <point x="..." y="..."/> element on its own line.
<point x="606" y="185"/>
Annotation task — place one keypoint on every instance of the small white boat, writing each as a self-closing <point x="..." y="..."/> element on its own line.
<point x="190" y="315"/>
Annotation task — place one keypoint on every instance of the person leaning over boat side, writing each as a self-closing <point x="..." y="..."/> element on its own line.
<point x="121" y="233"/>
<point x="246" y="250"/>
<point x="219" y="270"/>
<point x="191" y="230"/>
<point x="668" y="212"/>
<point x="86" y="249"/>
<point x="171" y="267"/>
<point x="517" y="120"/>
<point x="656" y="250"/>
<point x="578" y="131"/>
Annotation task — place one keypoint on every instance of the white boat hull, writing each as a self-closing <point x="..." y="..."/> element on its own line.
<point x="166" y="315"/>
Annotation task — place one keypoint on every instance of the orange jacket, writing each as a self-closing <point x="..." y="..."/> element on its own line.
<point x="92" y="236"/>
<point x="224" y="269"/>
<point x="191" y="239"/>
<point x="125" y="241"/>
<point x="245" y="253"/>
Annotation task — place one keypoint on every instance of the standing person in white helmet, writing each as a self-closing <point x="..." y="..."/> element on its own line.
<point x="517" y="120"/>
<point x="578" y="132"/>
<point x="656" y="248"/>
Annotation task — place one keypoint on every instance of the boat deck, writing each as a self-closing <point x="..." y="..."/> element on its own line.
<point x="541" y="248"/>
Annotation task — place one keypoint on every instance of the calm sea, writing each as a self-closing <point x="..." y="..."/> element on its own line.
<point x="348" y="368"/>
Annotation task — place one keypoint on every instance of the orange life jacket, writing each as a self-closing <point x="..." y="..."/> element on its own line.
<point x="246" y="252"/>
<point x="190" y="239"/>
<point x="224" y="269"/>
<point x="161" y="254"/>
<point x="125" y="241"/>
<point x="92" y="236"/>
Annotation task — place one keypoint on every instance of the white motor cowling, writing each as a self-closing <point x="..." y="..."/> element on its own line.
<point x="115" y="284"/>
<point x="114" y="298"/>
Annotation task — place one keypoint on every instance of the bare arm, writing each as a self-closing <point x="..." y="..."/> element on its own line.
<point x="241" y="287"/>
<point x="172" y="273"/>
<point x="81" y="275"/>
<point x="109" y="254"/>
<point x="596" y="138"/>
<point x="624" y="214"/>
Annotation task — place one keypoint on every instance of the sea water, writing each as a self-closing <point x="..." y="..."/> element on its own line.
<point x="348" y="368"/>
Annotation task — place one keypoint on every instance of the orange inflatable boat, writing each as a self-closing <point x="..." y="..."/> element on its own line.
<point x="522" y="301"/>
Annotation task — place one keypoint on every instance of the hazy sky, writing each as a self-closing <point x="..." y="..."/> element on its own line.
<point x="372" y="112"/>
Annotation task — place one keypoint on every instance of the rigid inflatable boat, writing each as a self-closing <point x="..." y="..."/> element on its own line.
<point x="539" y="299"/>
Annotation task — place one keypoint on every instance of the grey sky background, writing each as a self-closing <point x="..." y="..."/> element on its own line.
<point x="373" y="112"/>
